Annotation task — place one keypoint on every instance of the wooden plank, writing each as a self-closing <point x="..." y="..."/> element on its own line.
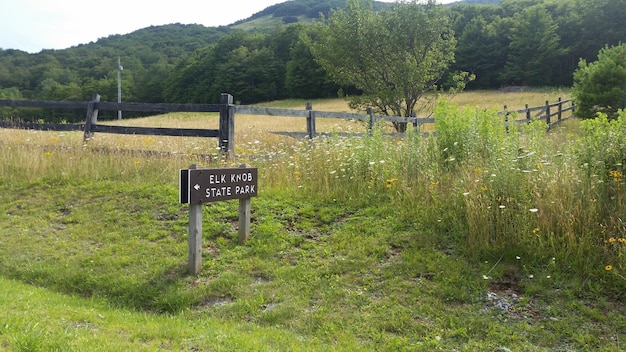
<point x="256" y="110"/>
<point x="155" y="131"/>
<point x="45" y="104"/>
<point x="194" y="262"/>
<point x="91" y="119"/>
<point x="24" y="125"/>
<point x="227" y="126"/>
<point x="396" y="119"/>
<point x="522" y="111"/>
<point x="559" y="103"/>
<point x="244" y="220"/>
<point x="158" y="107"/>
<point x="342" y="115"/>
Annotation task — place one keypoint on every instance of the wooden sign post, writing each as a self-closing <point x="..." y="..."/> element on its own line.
<point x="199" y="186"/>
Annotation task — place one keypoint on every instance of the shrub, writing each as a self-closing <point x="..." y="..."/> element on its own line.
<point x="600" y="86"/>
<point x="290" y="19"/>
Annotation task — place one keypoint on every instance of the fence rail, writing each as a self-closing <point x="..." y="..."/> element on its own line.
<point x="225" y="133"/>
<point x="552" y="113"/>
<point x="544" y="112"/>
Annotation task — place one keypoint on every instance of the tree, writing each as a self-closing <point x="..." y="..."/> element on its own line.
<point x="481" y="52"/>
<point x="394" y="56"/>
<point x="600" y="86"/>
<point x="305" y="79"/>
<point x="534" y="49"/>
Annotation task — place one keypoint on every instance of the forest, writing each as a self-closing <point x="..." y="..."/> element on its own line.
<point x="533" y="43"/>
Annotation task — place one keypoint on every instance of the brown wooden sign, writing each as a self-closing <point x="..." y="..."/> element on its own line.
<point x="213" y="185"/>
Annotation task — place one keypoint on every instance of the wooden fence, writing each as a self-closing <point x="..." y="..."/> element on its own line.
<point x="225" y="133"/>
<point x="552" y="113"/>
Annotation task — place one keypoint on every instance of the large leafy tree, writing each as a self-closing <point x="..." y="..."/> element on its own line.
<point x="393" y="56"/>
<point x="600" y="86"/>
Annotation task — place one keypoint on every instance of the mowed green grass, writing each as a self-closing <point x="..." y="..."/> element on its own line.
<point x="93" y="251"/>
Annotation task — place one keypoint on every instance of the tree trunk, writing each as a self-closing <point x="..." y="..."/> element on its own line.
<point x="400" y="126"/>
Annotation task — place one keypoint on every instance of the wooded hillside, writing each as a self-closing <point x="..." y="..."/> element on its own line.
<point x="514" y="42"/>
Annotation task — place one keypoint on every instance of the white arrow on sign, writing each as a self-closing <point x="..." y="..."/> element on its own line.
<point x="197" y="187"/>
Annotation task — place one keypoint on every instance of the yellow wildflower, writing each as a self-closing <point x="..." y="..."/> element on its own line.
<point x="608" y="267"/>
<point x="616" y="175"/>
<point x="390" y="182"/>
<point x="612" y="240"/>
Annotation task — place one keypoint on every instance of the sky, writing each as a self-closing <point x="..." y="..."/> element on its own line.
<point x="34" y="25"/>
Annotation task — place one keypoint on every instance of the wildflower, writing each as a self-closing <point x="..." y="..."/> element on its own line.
<point x="518" y="257"/>
<point x="535" y="230"/>
<point x="621" y="240"/>
<point x="136" y="162"/>
<point x="608" y="267"/>
<point x="48" y="154"/>
<point x="483" y="188"/>
<point x="390" y="182"/>
<point x="612" y="240"/>
<point x="531" y="276"/>
<point x="616" y="175"/>
<point x="485" y="277"/>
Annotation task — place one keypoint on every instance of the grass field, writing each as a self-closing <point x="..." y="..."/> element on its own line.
<point x="478" y="240"/>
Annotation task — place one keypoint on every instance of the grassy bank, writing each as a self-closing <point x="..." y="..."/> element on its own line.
<point x="478" y="240"/>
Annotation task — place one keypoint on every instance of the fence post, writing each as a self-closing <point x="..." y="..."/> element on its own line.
<point x="527" y="113"/>
<point x="227" y="126"/>
<point x="506" y="118"/>
<point x="372" y="122"/>
<point x="560" y="111"/>
<point x="416" y="124"/>
<point x="548" y="112"/>
<point x="92" y="118"/>
<point x="194" y="262"/>
<point x="310" y="121"/>
<point x="244" y="216"/>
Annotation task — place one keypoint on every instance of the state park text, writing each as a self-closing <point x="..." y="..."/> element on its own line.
<point x="212" y="185"/>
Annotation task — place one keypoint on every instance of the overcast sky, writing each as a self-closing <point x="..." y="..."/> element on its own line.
<point x="33" y="25"/>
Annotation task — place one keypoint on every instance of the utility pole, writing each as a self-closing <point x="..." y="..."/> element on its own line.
<point x="119" y="86"/>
